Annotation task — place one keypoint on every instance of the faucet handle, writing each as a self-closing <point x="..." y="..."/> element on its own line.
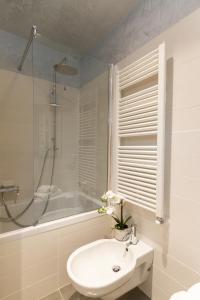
<point x="134" y="234"/>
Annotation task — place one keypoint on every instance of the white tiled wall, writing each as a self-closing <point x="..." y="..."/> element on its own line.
<point x="34" y="267"/>
<point x="177" y="243"/>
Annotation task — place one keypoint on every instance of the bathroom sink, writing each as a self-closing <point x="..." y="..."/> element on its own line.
<point x="99" y="268"/>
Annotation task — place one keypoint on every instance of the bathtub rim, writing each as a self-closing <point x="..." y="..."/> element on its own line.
<point x="47" y="226"/>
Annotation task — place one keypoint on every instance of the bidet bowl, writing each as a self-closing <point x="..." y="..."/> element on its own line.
<point x="99" y="268"/>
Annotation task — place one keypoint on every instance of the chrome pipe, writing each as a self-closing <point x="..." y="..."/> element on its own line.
<point x="33" y="35"/>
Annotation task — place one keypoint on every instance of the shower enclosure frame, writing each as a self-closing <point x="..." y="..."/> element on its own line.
<point x="10" y="217"/>
<point x="63" y="68"/>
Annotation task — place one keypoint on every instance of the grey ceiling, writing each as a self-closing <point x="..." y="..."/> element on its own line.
<point x="78" y="24"/>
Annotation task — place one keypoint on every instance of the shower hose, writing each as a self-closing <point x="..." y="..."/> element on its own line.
<point x="14" y="219"/>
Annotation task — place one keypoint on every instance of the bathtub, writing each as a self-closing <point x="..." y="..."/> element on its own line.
<point x="63" y="209"/>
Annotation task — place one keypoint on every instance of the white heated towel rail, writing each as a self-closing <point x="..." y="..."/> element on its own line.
<point x="140" y="129"/>
<point x="87" y="147"/>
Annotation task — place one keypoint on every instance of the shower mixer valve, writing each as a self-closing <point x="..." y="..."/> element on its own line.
<point x="10" y="188"/>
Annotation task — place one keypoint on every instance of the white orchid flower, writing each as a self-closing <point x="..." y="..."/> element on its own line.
<point x="104" y="198"/>
<point x="110" y="199"/>
<point x="117" y="199"/>
<point x="110" y="195"/>
<point x="110" y="210"/>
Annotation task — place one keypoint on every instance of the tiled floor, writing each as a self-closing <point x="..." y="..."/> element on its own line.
<point x="68" y="293"/>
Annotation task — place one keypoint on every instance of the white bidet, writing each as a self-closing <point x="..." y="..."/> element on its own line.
<point x="105" y="269"/>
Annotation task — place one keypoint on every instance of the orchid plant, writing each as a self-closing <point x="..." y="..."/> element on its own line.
<point x="110" y="200"/>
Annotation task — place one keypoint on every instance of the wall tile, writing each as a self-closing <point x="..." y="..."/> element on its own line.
<point x="34" y="267"/>
<point x="158" y="294"/>
<point x="167" y="284"/>
<point x="176" y="243"/>
<point x="184" y="275"/>
<point x="21" y="278"/>
<point x="186" y="118"/>
<point x="43" y="288"/>
<point x="185" y="85"/>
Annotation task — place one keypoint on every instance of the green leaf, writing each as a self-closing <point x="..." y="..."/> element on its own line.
<point x="117" y="220"/>
<point x="120" y="226"/>
<point x="127" y="219"/>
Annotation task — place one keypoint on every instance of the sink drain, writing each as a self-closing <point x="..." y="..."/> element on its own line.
<point x="116" y="268"/>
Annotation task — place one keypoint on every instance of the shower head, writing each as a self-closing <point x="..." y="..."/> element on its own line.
<point x="65" y="69"/>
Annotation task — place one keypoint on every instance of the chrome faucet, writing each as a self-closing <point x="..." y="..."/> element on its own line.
<point x="132" y="235"/>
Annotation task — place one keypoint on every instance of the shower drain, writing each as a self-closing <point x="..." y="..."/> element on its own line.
<point x="116" y="268"/>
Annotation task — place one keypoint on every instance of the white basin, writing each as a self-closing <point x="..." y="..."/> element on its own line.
<point x="90" y="268"/>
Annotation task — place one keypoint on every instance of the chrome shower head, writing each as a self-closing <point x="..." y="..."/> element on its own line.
<point x="65" y="69"/>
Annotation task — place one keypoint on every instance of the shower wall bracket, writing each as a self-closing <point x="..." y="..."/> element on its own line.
<point x="33" y="34"/>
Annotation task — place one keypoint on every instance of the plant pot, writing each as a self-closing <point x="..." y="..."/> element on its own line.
<point x="121" y="235"/>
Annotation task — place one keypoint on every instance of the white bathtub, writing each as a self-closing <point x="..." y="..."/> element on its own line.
<point x="64" y="209"/>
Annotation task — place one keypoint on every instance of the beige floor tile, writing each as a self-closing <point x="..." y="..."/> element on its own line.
<point x="54" y="296"/>
<point x="135" y="294"/>
<point x="69" y="293"/>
